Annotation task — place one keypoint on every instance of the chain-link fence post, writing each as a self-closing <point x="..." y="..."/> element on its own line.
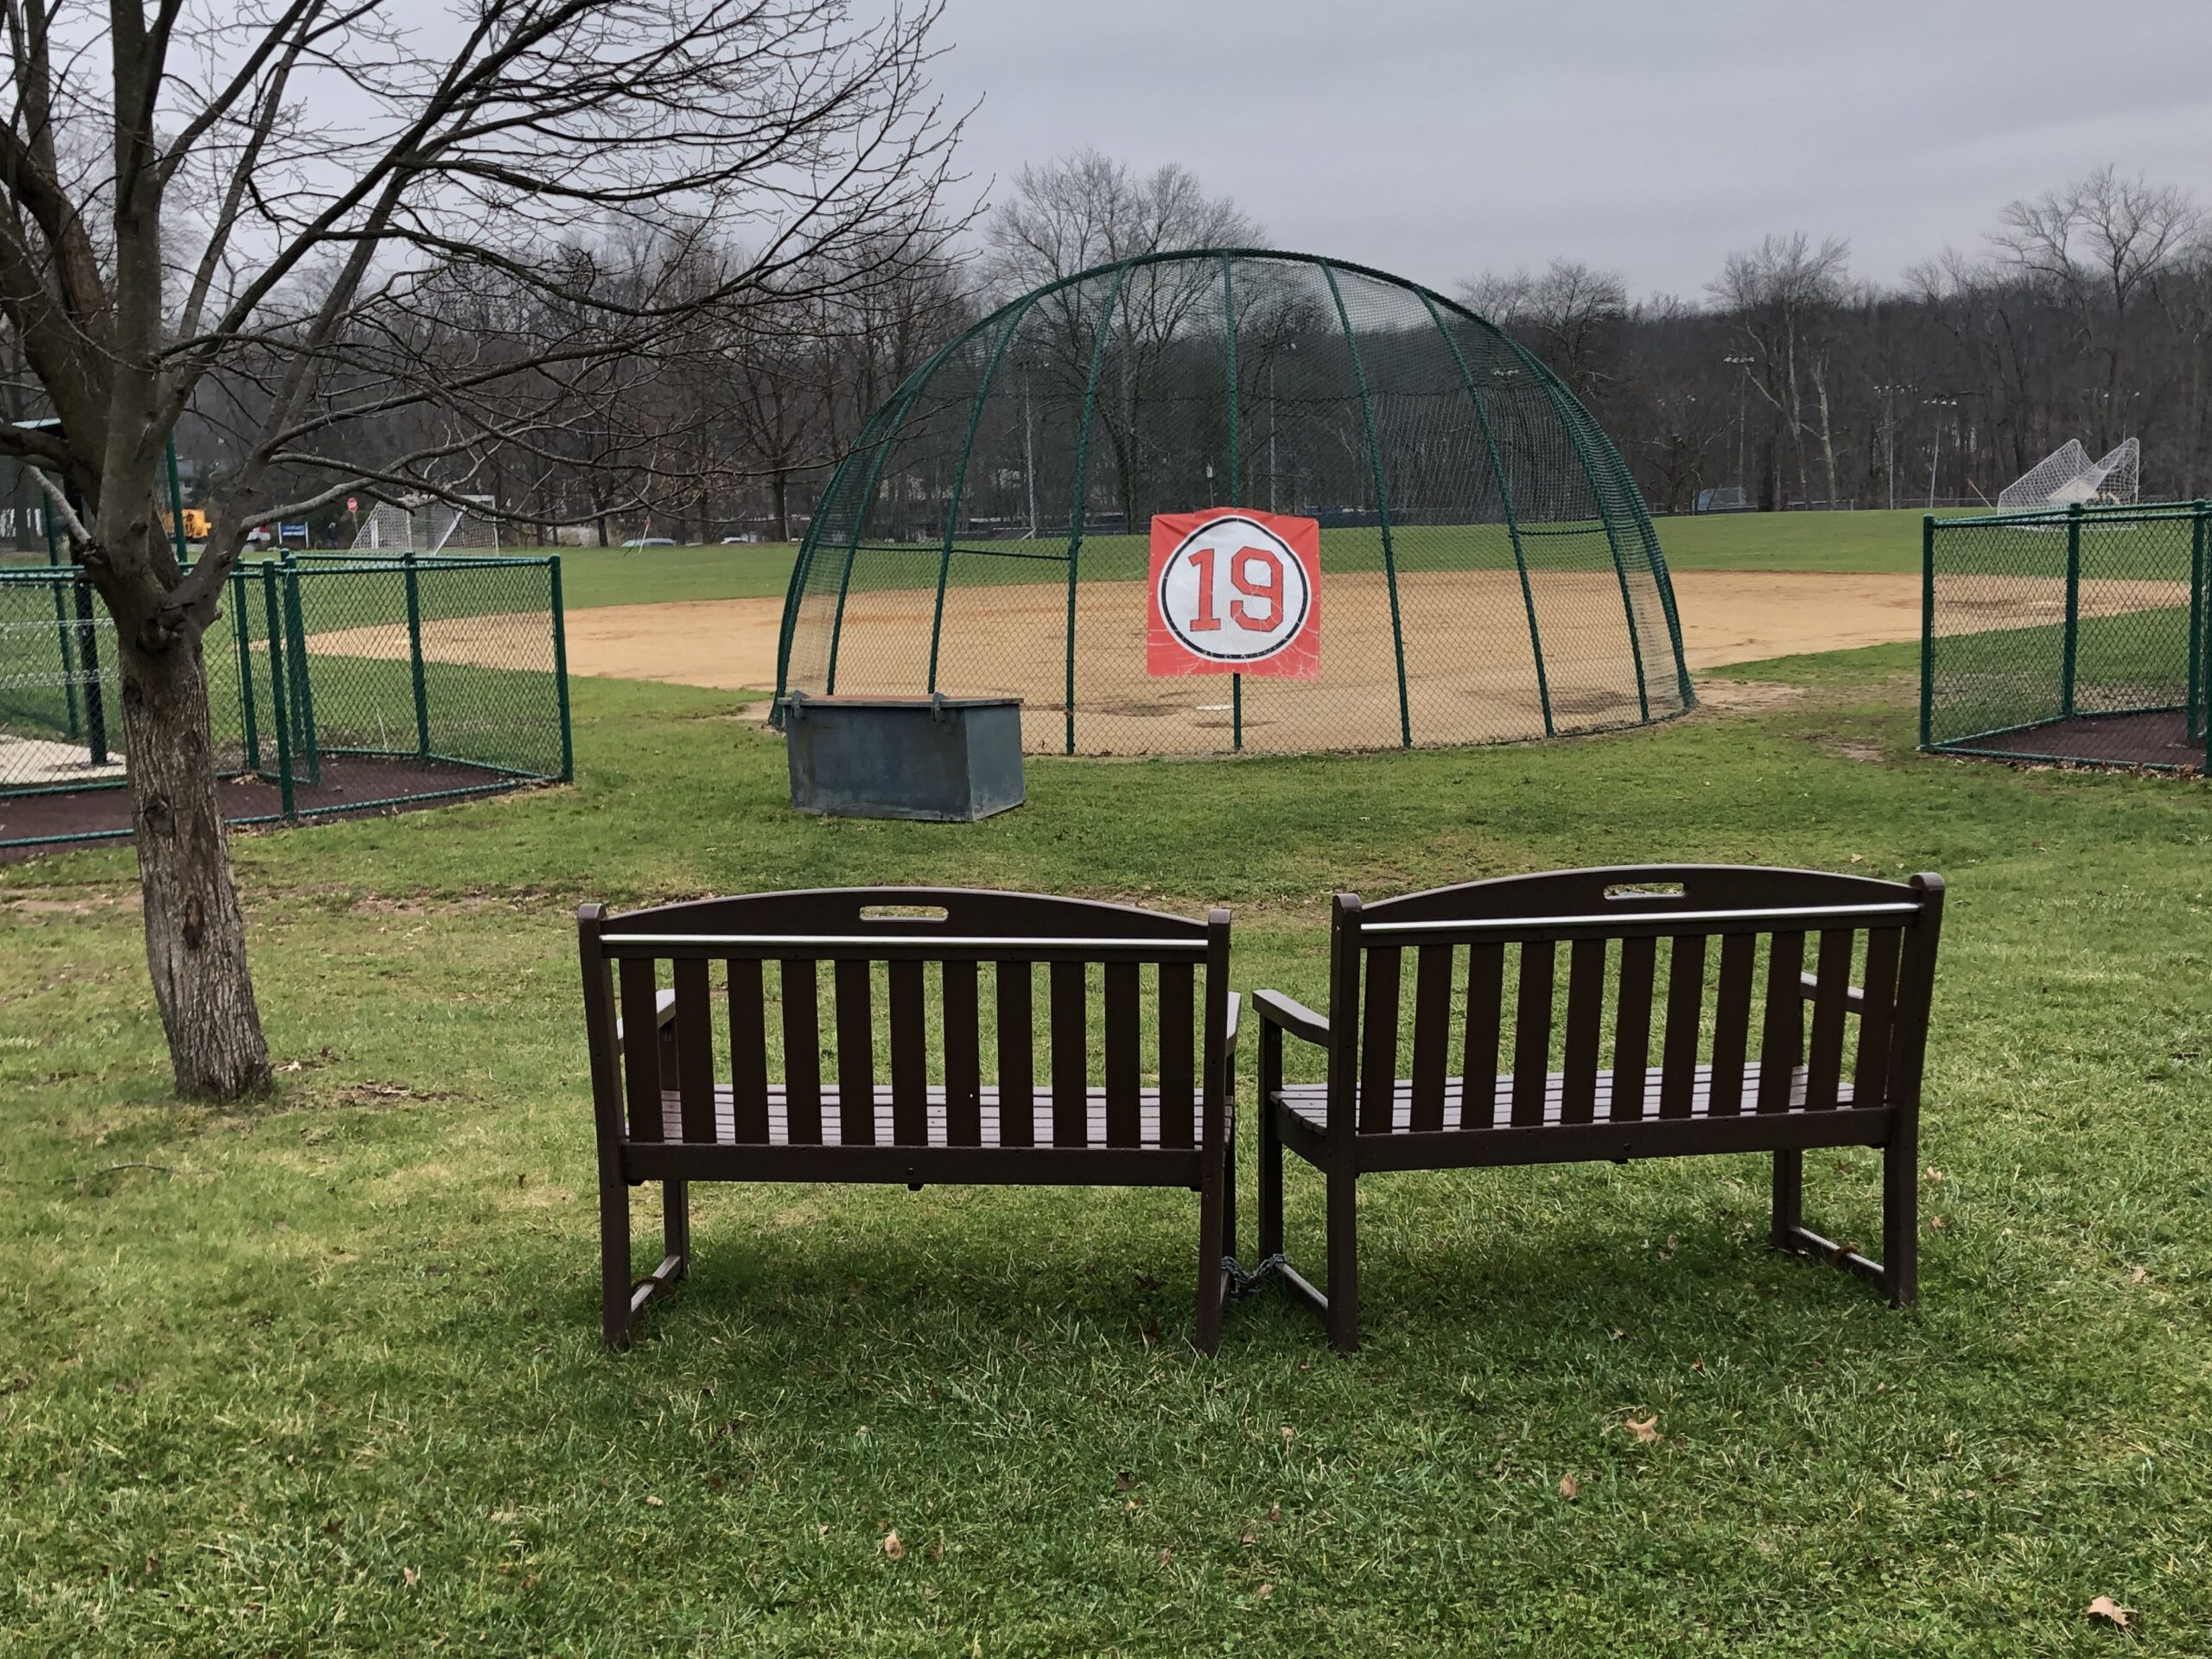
<point x="248" y="719"/>
<point x="560" y="673"/>
<point x="1927" y="627"/>
<point x="275" y="607"/>
<point x="63" y="628"/>
<point x="2200" y="716"/>
<point x="415" y="654"/>
<point x="2071" y="651"/>
<point x="1235" y="481"/>
<point x="304" y="744"/>
<point x="88" y="658"/>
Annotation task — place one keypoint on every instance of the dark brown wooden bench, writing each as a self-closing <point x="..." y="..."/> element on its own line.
<point x="1123" y="989"/>
<point x="1706" y="1052"/>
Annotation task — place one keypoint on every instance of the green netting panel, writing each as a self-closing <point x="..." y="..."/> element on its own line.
<point x="334" y="683"/>
<point x="2078" y="637"/>
<point x="1488" y="570"/>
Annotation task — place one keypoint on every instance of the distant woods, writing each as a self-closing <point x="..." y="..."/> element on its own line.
<point x="2085" y="312"/>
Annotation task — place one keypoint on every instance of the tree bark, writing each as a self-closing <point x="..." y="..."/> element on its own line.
<point x="195" y="932"/>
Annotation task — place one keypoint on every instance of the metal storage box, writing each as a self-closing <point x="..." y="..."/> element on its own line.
<point x="947" y="759"/>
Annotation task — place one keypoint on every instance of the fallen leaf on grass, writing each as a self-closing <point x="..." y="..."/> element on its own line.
<point x="2136" y="1275"/>
<point x="1266" y="1590"/>
<point x="1275" y="1511"/>
<point x="414" y="1578"/>
<point x="652" y="1502"/>
<point x="1165" y="1554"/>
<point x="935" y="1553"/>
<point x="1288" y="1433"/>
<point x="1673" y="1244"/>
<point x="894" y="1546"/>
<point x="2105" y="1607"/>
<point x="1123" y="1479"/>
<point x="1569" y="1487"/>
<point x="1248" y="1537"/>
<point x="1646" y="1429"/>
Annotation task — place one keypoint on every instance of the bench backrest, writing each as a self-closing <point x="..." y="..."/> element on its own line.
<point x="1731" y="996"/>
<point x="926" y="949"/>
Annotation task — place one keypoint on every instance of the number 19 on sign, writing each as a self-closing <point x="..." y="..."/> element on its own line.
<point x="1234" y="592"/>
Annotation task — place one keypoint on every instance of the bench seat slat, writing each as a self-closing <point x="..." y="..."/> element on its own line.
<point x="937" y="1117"/>
<point x="1309" y="1101"/>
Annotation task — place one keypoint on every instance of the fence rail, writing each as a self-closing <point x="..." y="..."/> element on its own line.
<point x="337" y="683"/>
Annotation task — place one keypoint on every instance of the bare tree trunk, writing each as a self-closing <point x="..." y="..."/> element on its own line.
<point x="195" y="932"/>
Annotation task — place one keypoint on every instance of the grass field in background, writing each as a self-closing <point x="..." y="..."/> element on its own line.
<point x="321" y="1373"/>
<point x="1759" y="541"/>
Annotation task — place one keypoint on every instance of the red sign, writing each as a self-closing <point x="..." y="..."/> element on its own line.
<point x="1235" y="591"/>
<point x="353" y="506"/>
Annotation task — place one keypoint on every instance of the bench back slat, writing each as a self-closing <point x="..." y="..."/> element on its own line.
<point x="855" y="1027"/>
<point x="909" y="1062"/>
<point x="1016" y="999"/>
<point x="1485" y="1009"/>
<point x="1635" y="1040"/>
<point x="802" y="1051"/>
<point x="1870" y="1069"/>
<point x="695" y="1051"/>
<point x="1124" y="1049"/>
<point x="1532" y="1031"/>
<point x="1632" y="1028"/>
<point x="1585" y="1007"/>
<point x="963" y="1056"/>
<point x="1431" y="1033"/>
<point x="1178" y="1072"/>
<point x="934" y="943"/>
<point x="1781" y="1035"/>
<point x="1732" y="1023"/>
<point x="1831" y="1002"/>
<point x="1379" y="1087"/>
<point x="1684" y="1014"/>
<point x="1071" y="1053"/>
<point x="748" y="1052"/>
<point x="641" y="1048"/>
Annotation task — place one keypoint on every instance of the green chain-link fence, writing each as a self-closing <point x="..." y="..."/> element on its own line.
<point x="336" y="684"/>
<point x="1489" y="571"/>
<point x="2077" y="636"/>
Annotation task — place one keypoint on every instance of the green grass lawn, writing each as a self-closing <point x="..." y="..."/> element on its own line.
<point x="321" y="1373"/>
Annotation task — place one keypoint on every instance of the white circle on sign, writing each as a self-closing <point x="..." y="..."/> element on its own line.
<point x="1234" y="592"/>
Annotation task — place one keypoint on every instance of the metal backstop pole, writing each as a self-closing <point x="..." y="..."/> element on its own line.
<point x="2067" y="663"/>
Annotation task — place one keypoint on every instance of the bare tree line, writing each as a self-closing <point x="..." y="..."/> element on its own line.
<point x="2087" y="314"/>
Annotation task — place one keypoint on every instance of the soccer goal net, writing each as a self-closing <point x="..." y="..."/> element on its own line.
<point x="423" y="525"/>
<point x="2067" y="477"/>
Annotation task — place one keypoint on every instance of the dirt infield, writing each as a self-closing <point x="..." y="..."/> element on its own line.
<point x="1470" y="679"/>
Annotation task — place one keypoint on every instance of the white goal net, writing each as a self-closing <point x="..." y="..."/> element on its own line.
<point x="423" y="525"/>
<point x="2067" y="476"/>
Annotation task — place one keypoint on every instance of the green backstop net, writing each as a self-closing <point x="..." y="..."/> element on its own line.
<point x="336" y="684"/>
<point x="2073" y="636"/>
<point x="1489" y="571"/>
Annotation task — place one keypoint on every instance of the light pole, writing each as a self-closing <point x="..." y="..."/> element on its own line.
<point x="1936" y="457"/>
<point x="1743" y="365"/>
<point x="1889" y="437"/>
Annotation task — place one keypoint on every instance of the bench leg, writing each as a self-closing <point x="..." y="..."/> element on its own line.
<point x="614" y="1261"/>
<point x="1901" y="1215"/>
<point x="1343" y="1258"/>
<point x="676" y="1225"/>
<point x="1228" y="1192"/>
<point x="1212" y="1248"/>
<point x="1896" y="1273"/>
<point x="1789" y="1198"/>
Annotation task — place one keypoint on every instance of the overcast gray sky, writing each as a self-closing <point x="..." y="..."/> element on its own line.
<point x="1436" y="139"/>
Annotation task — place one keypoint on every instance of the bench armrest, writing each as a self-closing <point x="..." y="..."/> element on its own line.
<point x="1231" y="1016"/>
<point x="1855" y="998"/>
<point x="1288" y="1013"/>
<point x="663" y="1016"/>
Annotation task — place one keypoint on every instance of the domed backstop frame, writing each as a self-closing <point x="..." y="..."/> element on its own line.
<point x="1488" y="570"/>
